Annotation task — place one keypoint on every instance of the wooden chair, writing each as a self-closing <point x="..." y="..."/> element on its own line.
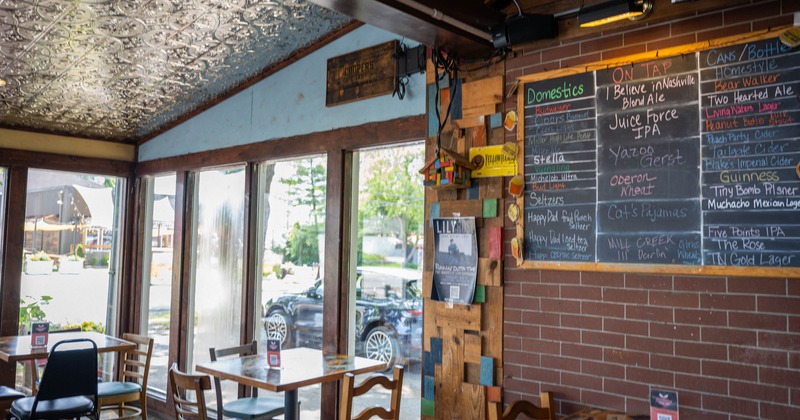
<point x="546" y="411"/>
<point x="350" y="391"/>
<point x="251" y="407"/>
<point x="40" y="364"/>
<point x="132" y="384"/>
<point x="185" y="407"/>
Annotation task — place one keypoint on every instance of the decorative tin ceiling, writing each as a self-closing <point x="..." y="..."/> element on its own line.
<point x="124" y="69"/>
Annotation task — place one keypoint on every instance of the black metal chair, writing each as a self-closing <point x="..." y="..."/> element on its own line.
<point x="248" y="408"/>
<point x="69" y="385"/>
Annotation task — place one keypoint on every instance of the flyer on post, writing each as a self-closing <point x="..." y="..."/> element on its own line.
<point x="455" y="263"/>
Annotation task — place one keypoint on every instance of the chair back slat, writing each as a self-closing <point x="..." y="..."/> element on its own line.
<point x="136" y="362"/>
<point x="546" y="410"/>
<point x="350" y="390"/>
<point x="181" y="383"/>
<point x="248" y="349"/>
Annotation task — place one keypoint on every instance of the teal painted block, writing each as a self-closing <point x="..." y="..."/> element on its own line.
<point x="436" y="350"/>
<point x="428" y="388"/>
<point x="495" y="120"/>
<point x="433" y="122"/>
<point x="480" y="294"/>
<point x="487" y="371"/>
<point x="489" y="208"/>
<point x="427" y="363"/>
<point x="473" y="192"/>
<point x="428" y="408"/>
<point x="435" y="212"/>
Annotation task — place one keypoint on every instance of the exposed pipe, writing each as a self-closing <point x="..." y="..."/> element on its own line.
<point x="438" y="15"/>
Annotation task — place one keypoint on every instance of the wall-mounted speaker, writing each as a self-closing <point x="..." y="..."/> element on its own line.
<point x="523" y="28"/>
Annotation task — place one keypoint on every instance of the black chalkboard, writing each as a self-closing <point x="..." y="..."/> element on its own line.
<point x="684" y="160"/>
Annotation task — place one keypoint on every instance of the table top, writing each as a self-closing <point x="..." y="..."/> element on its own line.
<point x="299" y="367"/>
<point x="18" y="347"/>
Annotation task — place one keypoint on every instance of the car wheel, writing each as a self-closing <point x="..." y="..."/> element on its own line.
<point x="279" y="326"/>
<point x="381" y="345"/>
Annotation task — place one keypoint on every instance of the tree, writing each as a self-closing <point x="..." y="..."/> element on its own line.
<point x="307" y="190"/>
<point x="393" y="191"/>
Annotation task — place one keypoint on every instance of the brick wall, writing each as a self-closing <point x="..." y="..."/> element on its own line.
<point x="729" y="346"/>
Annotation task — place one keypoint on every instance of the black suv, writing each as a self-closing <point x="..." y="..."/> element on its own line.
<point x="388" y="324"/>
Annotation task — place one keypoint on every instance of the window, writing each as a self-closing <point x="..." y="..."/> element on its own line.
<point x="157" y="274"/>
<point x="386" y="314"/>
<point x="292" y="226"/>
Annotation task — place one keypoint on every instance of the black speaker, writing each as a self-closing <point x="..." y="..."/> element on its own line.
<point x="523" y="28"/>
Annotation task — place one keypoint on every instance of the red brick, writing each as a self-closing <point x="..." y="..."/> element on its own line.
<point x="626" y="326"/>
<point x="783" y="377"/>
<point x="626" y="357"/>
<point x="650" y="376"/>
<point x="604" y="279"/>
<point x="794" y="397"/>
<point x="540" y="290"/>
<point x="782" y="305"/>
<point x="753" y="356"/>
<point x="521" y="358"/>
<point x="759" y="392"/>
<point x="722" y="301"/>
<point x="602" y="399"/>
<point x="581" y="381"/>
<point x="696" y="317"/>
<point x="701" y="384"/>
<point x="647" y="34"/>
<point x="581" y="61"/>
<point x="543" y="375"/>
<point x="691" y="25"/>
<point x="512" y="289"/>
<point x="569" y="364"/>
<point x="521" y="302"/>
<point x="561" y="334"/>
<point x="773" y="411"/>
<point x="723" y="32"/>
<point x="521" y="330"/>
<point x="561" y="52"/>
<point x="673" y="299"/>
<point x="622" y="52"/>
<point x="730" y="405"/>
<point x="604" y="370"/>
<point x="539" y="318"/>
<point x="649" y="313"/>
<point x="729" y="336"/>
<point x="625" y="296"/>
<point x="595" y="45"/>
<point x="561" y="306"/>
<point x="521" y="61"/>
<point x="581" y="321"/>
<point x="794" y="286"/>
<point x="520" y="276"/>
<point x="755" y="12"/>
<point x="561" y="277"/>
<point x="701" y="350"/>
<point x="603" y="339"/>
<point x="757" y="286"/>
<point x="700" y="284"/>
<point x="512" y="315"/>
<point x="692" y="413"/>
<point x="789" y="6"/>
<point x="512" y="343"/>
<point x="772" y="340"/>
<point x="674" y="364"/>
<point x="758" y="321"/>
<point x="581" y="292"/>
<point x="540" y="346"/>
<point x="603" y="309"/>
<point x="674" y="41"/>
<point x="625" y="387"/>
<point x="581" y="351"/>
<point x="650" y="345"/>
<point x="794" y="361"/>
<point x="675" y="332"/>
<point x="645" y="281"/>
<point x="730" y="370"/>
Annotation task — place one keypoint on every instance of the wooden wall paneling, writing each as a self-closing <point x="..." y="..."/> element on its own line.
<point x="479" y="136"/>
<point x="496" y="136"/>
<point x="56" y="162"/>
<point x="474" y="399"/>
<point x="490" y="272"/>
<point x="491" y="188"/>
<point x="465" y="317"/>
<point x="444" y="195"/>
<point x="492" y="327"/>
<point x="13" y="236"/>
<point x="449" y="404"/>
<point x="465" y="208"/>
<point x="472" y="348"/>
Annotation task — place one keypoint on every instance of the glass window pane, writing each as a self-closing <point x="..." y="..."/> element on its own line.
<point x="387" y="313"/>
<point x="292" y="221"/>
<point x="216" y="294"/>
<point x="70" y="251"/>
<point x="157" y="274"/>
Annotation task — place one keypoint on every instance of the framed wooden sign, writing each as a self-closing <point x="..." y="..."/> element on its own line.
<point x="362" y="74"/>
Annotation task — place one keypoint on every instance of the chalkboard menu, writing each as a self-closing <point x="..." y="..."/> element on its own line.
<point x="685" y="160"/>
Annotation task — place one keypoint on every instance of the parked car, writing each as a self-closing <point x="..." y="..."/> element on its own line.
<point x="388" y="321"/>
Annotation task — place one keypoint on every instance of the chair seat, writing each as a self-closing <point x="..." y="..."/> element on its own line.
<point x="7" y="393"/>
<point x="111" y="389"/>
<point x="253" y="408"/>
<point x="51" y="409"/>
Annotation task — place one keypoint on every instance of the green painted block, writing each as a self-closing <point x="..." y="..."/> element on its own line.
<point x="428" y="408"/>
<point x="489" y="208"/>
<point x="480" y="294"/>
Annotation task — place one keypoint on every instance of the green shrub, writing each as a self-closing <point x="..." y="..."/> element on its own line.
<point x="79" y="251"/>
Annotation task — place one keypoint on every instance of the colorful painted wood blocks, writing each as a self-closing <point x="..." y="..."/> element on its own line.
<point x="448" y="170"/>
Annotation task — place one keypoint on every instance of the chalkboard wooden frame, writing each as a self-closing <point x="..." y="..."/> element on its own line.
<point x="711" y="270"/>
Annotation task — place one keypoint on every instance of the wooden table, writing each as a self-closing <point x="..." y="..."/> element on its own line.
<point x="18" y="347"/>
<point x="299" y="367"/>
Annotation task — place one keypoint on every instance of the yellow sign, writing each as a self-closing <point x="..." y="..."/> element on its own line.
<point x="491" y="161"/>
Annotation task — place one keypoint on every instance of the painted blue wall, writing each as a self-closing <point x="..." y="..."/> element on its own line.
<point x="291" y="102"/>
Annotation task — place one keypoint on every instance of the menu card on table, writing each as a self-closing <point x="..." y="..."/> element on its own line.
<point x="274" y="353"/>
<point x="40" y="332"/>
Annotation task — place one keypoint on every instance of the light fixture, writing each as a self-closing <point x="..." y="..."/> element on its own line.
<point x="2" y="82"/>
<point x="612" y="11"/>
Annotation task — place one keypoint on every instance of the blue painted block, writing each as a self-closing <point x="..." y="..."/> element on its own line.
<point x="444" y="82"/>
<point x="473" y="193"/>
<point x="436" y="350"/>
<point x="428" y="388"/>
<point x="433" y="123"/>
<point x="427" y="361"/>
<point x="495" y="120"/>
<point x="455" y="109"/>
<point x="487" y="371"/>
